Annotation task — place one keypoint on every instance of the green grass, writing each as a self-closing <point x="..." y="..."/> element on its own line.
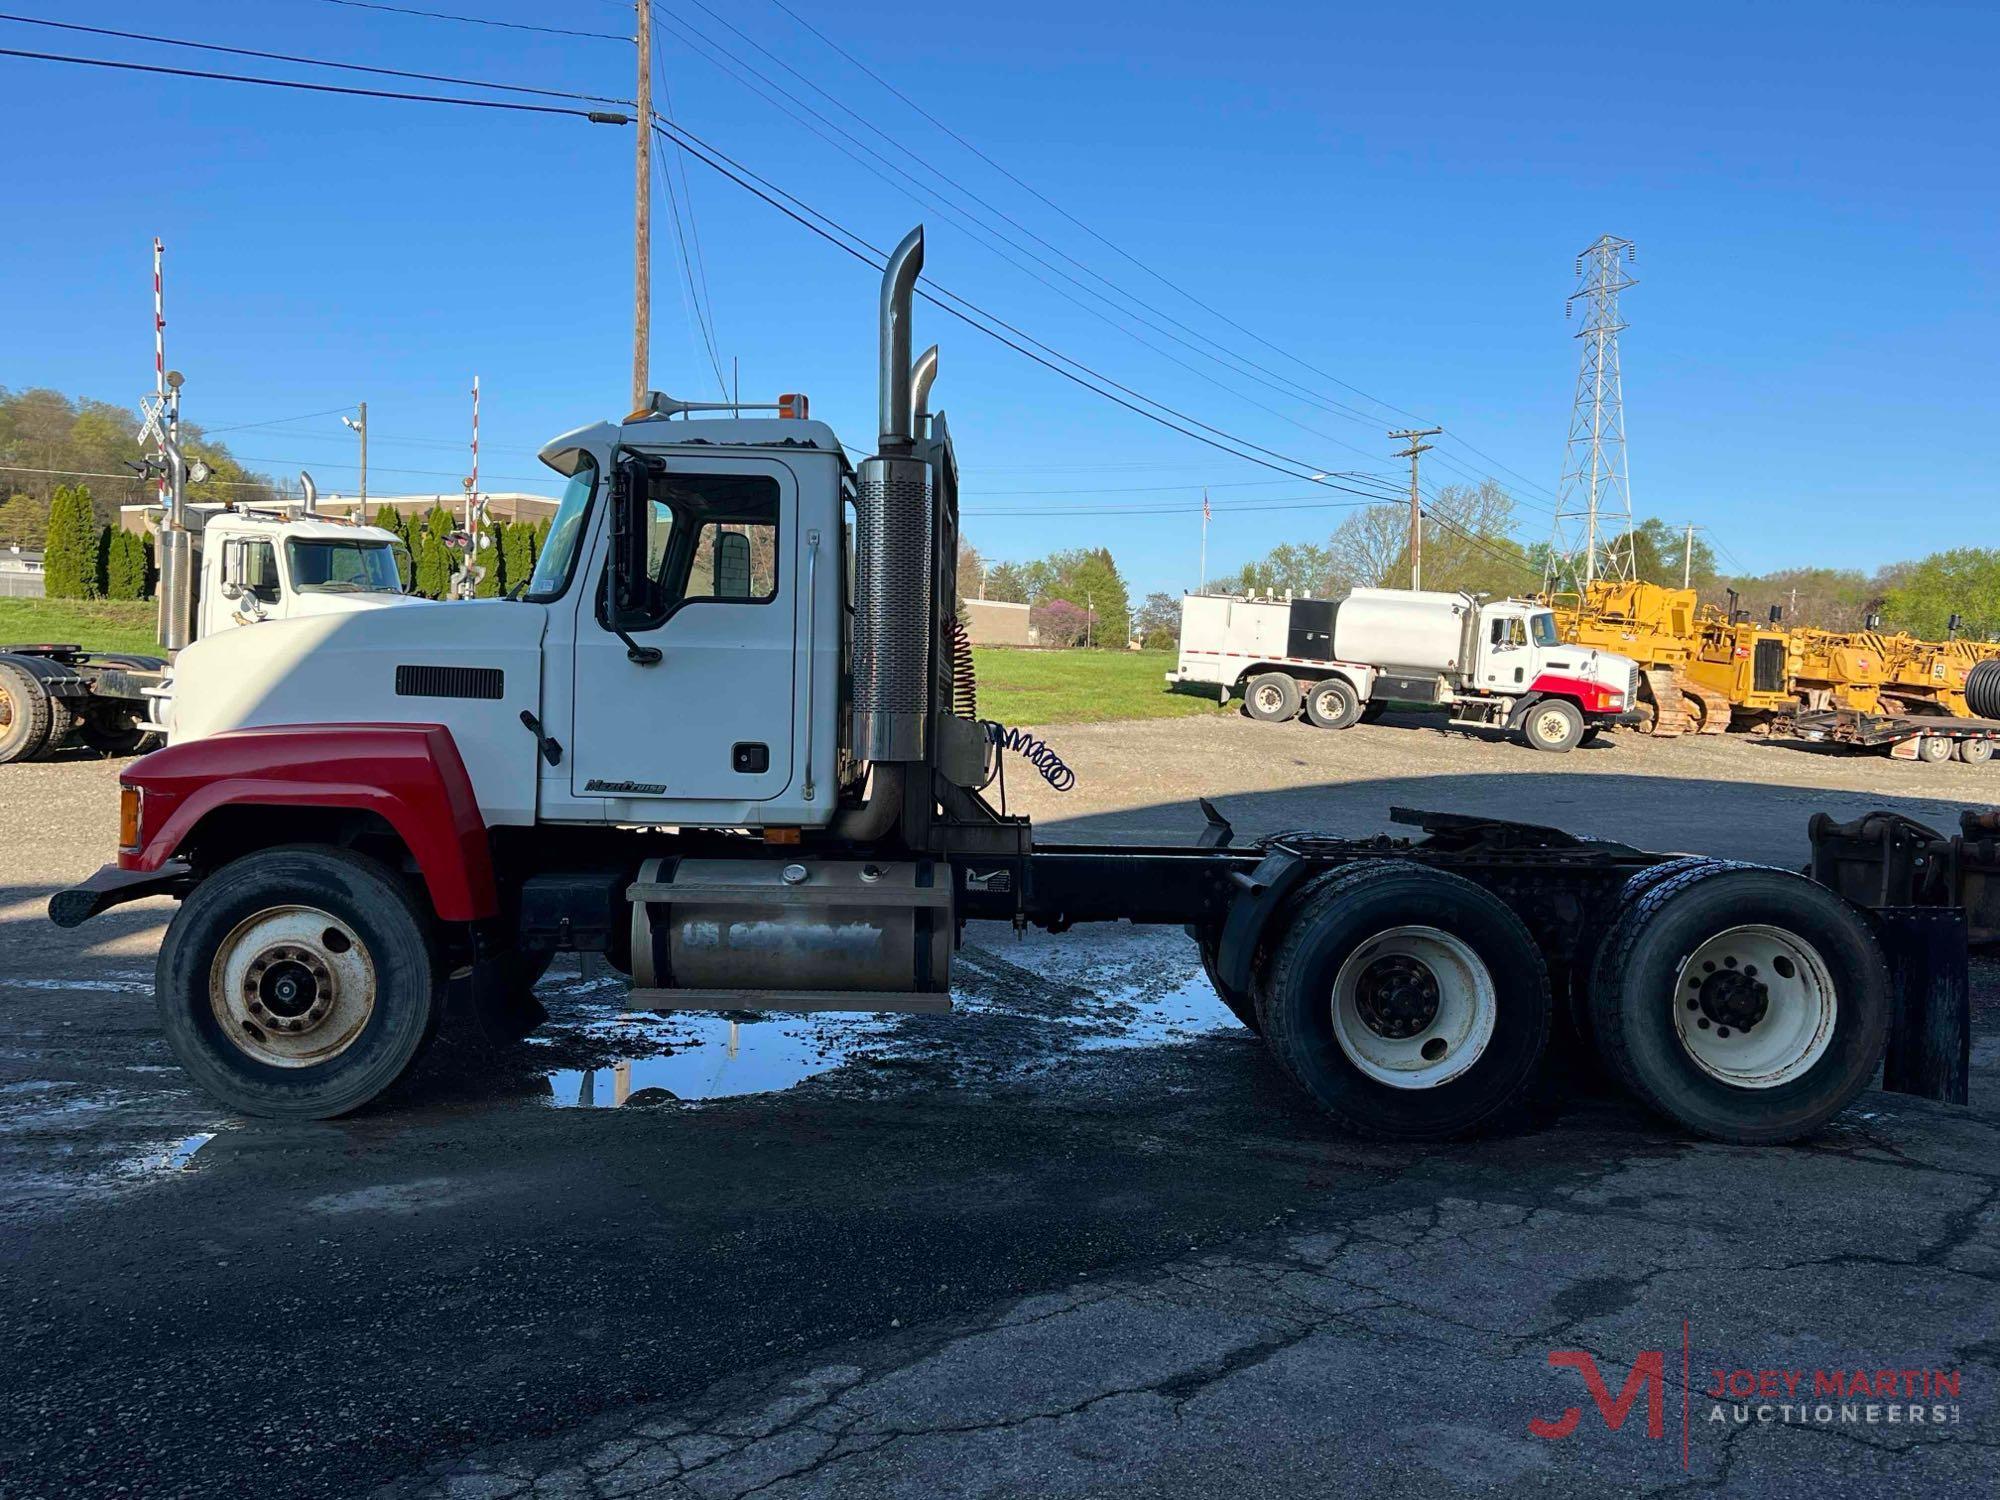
<point x="95" y="624"/>
<point x="1015" y="687"/>
<point x="1078" y="687"/>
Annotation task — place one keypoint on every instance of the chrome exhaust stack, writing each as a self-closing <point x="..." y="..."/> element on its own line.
<point x="923" y="375"/>
<point x="892" y="544"/>
<point x="309" y="503"/>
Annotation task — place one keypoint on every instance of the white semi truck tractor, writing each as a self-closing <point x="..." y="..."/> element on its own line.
<point x="222" y="566"/>
<point x="728" y="739"/>
<point x="1492" y="664"/>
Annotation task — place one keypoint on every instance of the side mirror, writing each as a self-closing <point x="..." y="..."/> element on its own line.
<point x="732" y="565"/>
<point x="630" y="582"/>
<point x="231" y="585"/>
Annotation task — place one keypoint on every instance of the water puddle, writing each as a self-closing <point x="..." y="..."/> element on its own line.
<point x="1008" y="1017"/>
<point x="177" y="1156"/>
<point x="714" y="1057"/>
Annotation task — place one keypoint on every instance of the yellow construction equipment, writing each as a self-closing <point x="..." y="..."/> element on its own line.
<point x="1748" y="665"/>
<point x="1660" y="628"/>
<point x="1928" y="677"/>
<point x="1839" y="669"/>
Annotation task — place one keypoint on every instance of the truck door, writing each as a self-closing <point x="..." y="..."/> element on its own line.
<point x="1504" y="658"/>
<point x="711" y="718"/>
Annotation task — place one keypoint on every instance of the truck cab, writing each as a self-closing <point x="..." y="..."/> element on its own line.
<point x="263" y="565"/>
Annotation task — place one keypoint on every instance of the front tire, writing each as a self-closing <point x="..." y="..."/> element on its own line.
<point x="298" y="983"/>
<point x="1410" y="1003"/>
<point x="1554" y="725"/>
<point x="1748" y="1005"/>
<point x="1271" y="698"/>
<point x="1934" y="749"/>
<point x="25" y="714"/>
<point x="1332" y="704"/>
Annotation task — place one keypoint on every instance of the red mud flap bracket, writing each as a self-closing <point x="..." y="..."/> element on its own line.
<point x="1930" y="1032"/>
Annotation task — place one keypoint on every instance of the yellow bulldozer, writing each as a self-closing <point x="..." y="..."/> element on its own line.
<point x="1689" y="665"/>
<point x="1840" y="669"/>
<point x="1929" y="676"/>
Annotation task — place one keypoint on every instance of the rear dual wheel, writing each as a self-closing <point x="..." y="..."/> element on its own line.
<point x="1271" y="697"/>
<point x="1408" y="1002"/>
<point x="1332" y="704"/>
<point x="26" y="714"/>
<point x="298" y="982"/>
<point x="1746" y="1004"/>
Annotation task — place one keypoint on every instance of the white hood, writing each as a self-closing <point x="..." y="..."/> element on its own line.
<point x="342" y="667"/>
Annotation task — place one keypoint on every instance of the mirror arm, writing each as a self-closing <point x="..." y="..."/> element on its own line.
<point x="644" y="656"/>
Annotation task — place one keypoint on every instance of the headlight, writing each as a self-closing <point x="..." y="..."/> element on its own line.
<point x="1614" y="699"/>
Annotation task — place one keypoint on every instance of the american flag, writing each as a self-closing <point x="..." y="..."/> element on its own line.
<point x="1207" y="515"/>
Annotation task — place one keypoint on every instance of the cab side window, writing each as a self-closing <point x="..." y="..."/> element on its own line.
<point x="260" y="571"/>
<point x="1510" y="631"/>
<point x="712" y="538"/>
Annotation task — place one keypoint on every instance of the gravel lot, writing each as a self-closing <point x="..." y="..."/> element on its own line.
<point x="1078" y="1239"/>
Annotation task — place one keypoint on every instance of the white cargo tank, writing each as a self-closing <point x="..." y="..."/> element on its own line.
<point x="1405" y="630"/>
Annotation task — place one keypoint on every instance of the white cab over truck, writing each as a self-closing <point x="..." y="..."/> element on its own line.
<point x="1491" y="663"/>
<point x="241" y="566"/>
<point x="728" y="738"/>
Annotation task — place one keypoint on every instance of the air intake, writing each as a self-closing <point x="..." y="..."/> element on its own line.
<point x="892" y="546"/>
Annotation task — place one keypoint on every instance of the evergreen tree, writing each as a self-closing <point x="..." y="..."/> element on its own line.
<point x="494" y="582"/>
<point x="125" y="566"/>
<point x="70" y="564"/>
<point x="100" y="568"/>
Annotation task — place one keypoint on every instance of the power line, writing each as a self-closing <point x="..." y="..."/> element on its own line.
<point x="440" y="15"/>
<point x="313" y="62"/>
<point x="942" y="298"/>
<point x="598" y="117"/>
<point x="985" y="234"/>
<point x="332" y="411"/>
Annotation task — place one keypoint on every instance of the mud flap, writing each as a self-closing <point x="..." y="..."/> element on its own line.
<point x="1930" y="1032"/>
<point x="1259" y="894"/>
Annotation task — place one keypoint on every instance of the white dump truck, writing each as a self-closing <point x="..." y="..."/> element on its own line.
<point x="1494" y="664"/>
<point x="241" y="566"/>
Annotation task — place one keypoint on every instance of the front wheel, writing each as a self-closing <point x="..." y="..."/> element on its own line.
<point x="1748" y="1005"/>
<point x="1554" y="725"/>
<point x="1410" y="1003"/>
<point x="1934" y="749"/>
<point x="298" y="982"/>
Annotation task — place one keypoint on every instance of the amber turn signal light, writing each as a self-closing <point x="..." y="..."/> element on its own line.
<point x="128" y="818"/>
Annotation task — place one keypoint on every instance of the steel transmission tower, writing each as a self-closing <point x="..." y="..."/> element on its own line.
<point x="1593" y="532"/>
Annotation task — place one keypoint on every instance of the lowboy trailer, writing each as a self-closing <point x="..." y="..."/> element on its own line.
<point x="1930" y="738"/>
<point x="728" y="739"/>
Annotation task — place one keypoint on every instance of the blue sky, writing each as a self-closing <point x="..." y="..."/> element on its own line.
<point x="1394" y="196"/>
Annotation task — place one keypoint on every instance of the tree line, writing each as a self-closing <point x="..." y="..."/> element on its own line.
<point x="1075" y="597"/>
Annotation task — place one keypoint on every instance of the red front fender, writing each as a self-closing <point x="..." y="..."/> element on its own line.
<point x="408" y="774"/>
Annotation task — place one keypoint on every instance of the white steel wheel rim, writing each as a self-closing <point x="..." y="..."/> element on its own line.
<point x="292" y="986"/>
<point x="1794" y="1003"/>
<point x="1453" y="1038"/>
<point x="1329" y="702"/>
<point x="1551" y="725"/>
<point x="1268" y="698"/>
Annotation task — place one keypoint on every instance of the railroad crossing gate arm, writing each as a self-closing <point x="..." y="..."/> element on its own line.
<point x="1930" y="1030"/>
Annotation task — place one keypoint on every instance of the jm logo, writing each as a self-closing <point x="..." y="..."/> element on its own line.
<point x="1648" y="1374"/>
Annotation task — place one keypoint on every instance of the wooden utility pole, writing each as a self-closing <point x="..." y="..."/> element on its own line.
<point x="1415" y="437"/>
<point x="642" y="220"/>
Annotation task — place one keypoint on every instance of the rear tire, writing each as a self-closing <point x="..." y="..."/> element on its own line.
<point x="1747" y="1005"/>
<point x="1271" y="697"/>
<point x="1975" y="752"/>
<point x="1410" y="1003"/>
<point x="1554" y="725"/>
<point x="25" y="714"/>
<point x="298" y="982"/>
<point x="1934" y="749"/>
<point x="1332" y="704"/>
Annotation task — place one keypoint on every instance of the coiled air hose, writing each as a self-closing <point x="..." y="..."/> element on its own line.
<point x="1038" y="753"/>
<point x="964" y="684"/>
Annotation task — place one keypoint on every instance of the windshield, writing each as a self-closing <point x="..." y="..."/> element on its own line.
<point x="557" y="558"/>
<point x="1543" y="626"/>
<point x="333" y="566"/>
